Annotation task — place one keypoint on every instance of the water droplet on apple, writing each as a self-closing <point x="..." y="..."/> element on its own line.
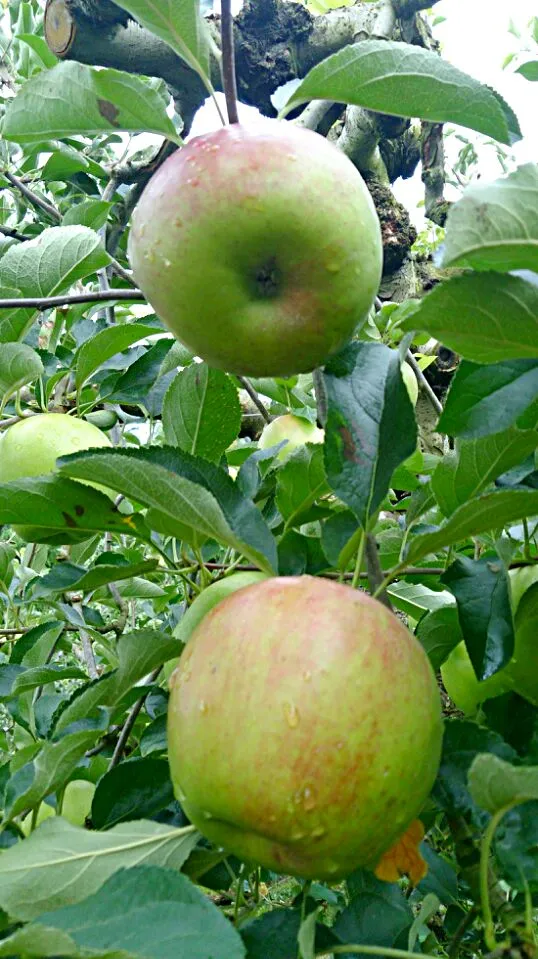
<point x="167" y="264"/>
<point x="340" y="745"/>
<point x="306" y="797"/>
<point x="318" y="832"/>
<point x="291" y="714"/>
<point x="193" y="181"/>
<point x="202" y="706"/>
<point x="206" y="814"/>
<point x="332" y="867"/>
<point x="297" y="835"/>
<point x="178" y="222"/>
<point x="386" y="771"/>
<point x="272" y="818"/>
<point x="333" y="266"/>
<point x="307" y="675"/>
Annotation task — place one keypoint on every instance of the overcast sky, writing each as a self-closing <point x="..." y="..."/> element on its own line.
<point x="475" y="38"/>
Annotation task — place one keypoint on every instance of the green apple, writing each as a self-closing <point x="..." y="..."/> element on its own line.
<point x="32" y="446"/>
<point x="521" y="579"/>
<point x="304" y="727"/>
<point x="294" y="429"/>
<point x="259" y="247"/>
<point x="44" y="812"/>
<point x="520" y="675"/>
<point x="411" y="382"/>
<point x="77" y="801"/>
<point x="205" y="601"/>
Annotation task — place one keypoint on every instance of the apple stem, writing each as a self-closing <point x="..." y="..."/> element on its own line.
<point x="228" y="61"/>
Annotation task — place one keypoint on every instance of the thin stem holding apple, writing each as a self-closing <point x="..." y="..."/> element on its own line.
<point x="228" y="61"/>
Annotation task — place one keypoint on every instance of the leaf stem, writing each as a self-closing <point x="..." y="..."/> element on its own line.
<point x="485" y="851"/>
<point x="359" y="561"/>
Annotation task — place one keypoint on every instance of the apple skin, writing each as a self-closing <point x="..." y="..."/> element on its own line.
<point x="259" y="247"/>
<point x="32" y="446"/>
<point x="304" y="727"/>
<point x="294" y="429"/>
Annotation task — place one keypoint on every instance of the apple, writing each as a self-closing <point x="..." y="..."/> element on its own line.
<point x="304" y="727"/>
<point x="411" y="382"/>
<point x="520" y="675"/>
<point x="259" y="247"/>
<point x="294" y="429"/>
<point x="205" y="601"/>
<point x="77" y="801"/>
<point x="32" y="446"/>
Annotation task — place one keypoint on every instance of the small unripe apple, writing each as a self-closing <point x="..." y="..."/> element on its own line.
<point x="521" y="673"/>
<point x="411" y="382"/>
<point x="77" y="801"/>
<point x="259" y="247"/>
<point x="294" y="429"/>
<point x="304" y="727"/>
<point x="32" y="446"/>
<point x="205" y="601"/>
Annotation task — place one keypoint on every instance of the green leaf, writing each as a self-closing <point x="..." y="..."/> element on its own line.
<point x="42" y="675"/>
<point x="487" y="317"/>
<point x="60" y="864"/>
<point x="370" y="899"/>
<point x="47" y="266"/>
<point x="300" y="482"/>
<point x="90" y="213"/>
<point x="476" y="463"/>
<point x="67" y="576"/>
<point x="494" y="226"/>
<point x="482" y="591"/>
<point x="461" y="744"/>
<point x="487" y="399"/>
<point x="99" y="101"/>
<point x="182" y="491"/>
<point x="154" y="739"/>
<point x="496" y="785"/>
<point x="516" y="845"/>
<point x="487" y="512"/>
<point x="529" y="70"/>
<point x="104" y="345"/>
<point x="37" y="941"/>
<point x="139" y="653"/>
<point x="201" y="412"/>
<point x="179" y="24"/>
<point x="405" y="80"/>
<point x="151" y="913"/>
<point x="49" y="771"/>
<point x="51" y="509"/>
<point x="440" y="633"/>
<point x="371" y="425"/>
<point x="39" y="46"/>
<point x="137" y="789"/>
<point x="19" y="365"/>
<point x="415" y="599"/>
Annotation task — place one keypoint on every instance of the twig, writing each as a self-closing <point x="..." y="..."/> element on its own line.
<point x="247" y="385"/>
<point x="87" y="648"/>
<point x="228" y="61"/>
<point x="33" y="198"/>
<point x="464" y="925"/>
<point x="321" y="396"/>
<point x="410" y="571"/>
<point x="424" y="385"/>
<point x="375" y="572"/>
<point x="47" y="302"/>
<point x="131" y="720"/>
<point x="13" y="234"/>
<point x="119" y="625"/>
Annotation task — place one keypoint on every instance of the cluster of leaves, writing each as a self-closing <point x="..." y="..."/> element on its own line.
<point x="91" y="606"/>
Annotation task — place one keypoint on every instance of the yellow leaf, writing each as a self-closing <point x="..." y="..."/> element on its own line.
<point x="404" y="857"/>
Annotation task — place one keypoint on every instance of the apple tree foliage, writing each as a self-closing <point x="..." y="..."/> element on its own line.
<point x="92" y="606"/>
